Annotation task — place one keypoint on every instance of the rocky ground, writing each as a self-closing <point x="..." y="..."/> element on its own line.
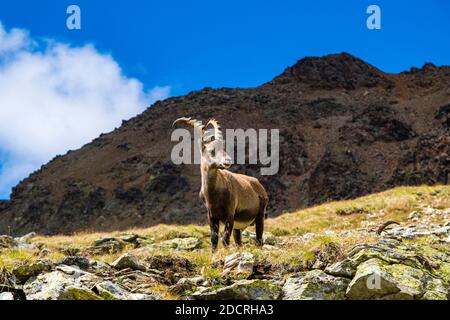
<point x="339" y="250"/>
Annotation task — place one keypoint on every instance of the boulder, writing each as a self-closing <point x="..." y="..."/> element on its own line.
<point x="129" y="261"/>
<point x="6" y="296"/>
<point x="106" y="245"/>
<point x="26" y="238"/>
<point x="186" y="284"/>
<point x="241" y="290"/>
<point x="109" y="290"/>
<point x="315" y="285"/>
<point x="241" y="262"/>
<point x="345" y="268"/>
<point x="26" y="271"/>
<point x="81" y="262"/>
<point x="250" y="237"/>
<point x="66" y="283"/>
<point x="190" y="243"/>
<point x="377" y="279"/>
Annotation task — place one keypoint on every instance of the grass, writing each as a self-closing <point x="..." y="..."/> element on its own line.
<point x="304" y="234"/>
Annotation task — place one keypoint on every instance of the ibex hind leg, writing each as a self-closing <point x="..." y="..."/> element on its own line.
<point x="237" y="235"/>
<point x="259" y="222"/>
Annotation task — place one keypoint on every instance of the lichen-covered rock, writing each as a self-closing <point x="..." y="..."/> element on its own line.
<point x="250" y="237"/>
<point x="106" y="245"/>
<point x="63" y="284"/>
<point x="111" y="291"/>
<point x="129" y="261"/>
<point x="315" y="285"/>
<point x="240" y="262"/>
<point x="374" y="279"/>
<point x="344" y="268"/>
<point x="377" y="279"/>
<point x="190" y="243"/>
<point x="24" y="272"/>
<point x="241" y="290"/>
<point x="185" y="284"/>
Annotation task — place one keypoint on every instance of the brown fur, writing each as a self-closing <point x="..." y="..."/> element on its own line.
<point x="236" y="200"/>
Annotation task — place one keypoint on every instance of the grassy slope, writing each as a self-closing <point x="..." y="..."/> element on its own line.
<point x="339" y="224"/>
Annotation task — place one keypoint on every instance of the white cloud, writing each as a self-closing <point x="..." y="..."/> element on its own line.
<point x="54" y="97"/>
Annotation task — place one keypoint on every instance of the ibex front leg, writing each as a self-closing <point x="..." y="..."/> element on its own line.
<point x="214" y="227"/>
<point x="228" y="230"/>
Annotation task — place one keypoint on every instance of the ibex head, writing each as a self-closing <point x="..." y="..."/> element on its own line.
<point x="212" y="145"/>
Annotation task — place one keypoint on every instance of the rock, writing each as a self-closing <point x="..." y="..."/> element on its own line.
<point x="442" y="231"/>
<point x="6" y="296"/>
<point x="63" y="284"/>
<point x="241" y="262"/>
<point x="344" y="268"/>
<point x="315" y="285"/>
<point x="241" y="290"/>
<point x="26" y="271"/>
<point x="81" y="262"/>
<point x="106" y="245"/>
<point x="111" y="291"/>
<point x="249" y="236"/>
<point x="376" y="279"/>
<point x="7" y="242"/>
<point x="129" y="261"/>
<point x="181" y="243"/>
<point x="186" y="284"/>
<point x="26" y="238"/>
<point x="133" y="238"/>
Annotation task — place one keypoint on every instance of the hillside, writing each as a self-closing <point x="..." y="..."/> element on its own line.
<point x="328" y="251"/>
<point x="347" y="129"/>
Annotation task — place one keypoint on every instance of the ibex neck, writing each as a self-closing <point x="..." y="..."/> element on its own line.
<point x="209" y="178"/>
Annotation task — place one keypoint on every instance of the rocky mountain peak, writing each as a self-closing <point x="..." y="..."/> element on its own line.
<point x="333" y="71"/>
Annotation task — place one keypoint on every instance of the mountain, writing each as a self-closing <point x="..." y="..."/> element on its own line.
<point x="346" y="129"/>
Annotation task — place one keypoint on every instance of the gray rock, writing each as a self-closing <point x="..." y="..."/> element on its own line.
<point x="344" y="268"/>
<point x="26" y="238"/>
<point x="376" y="279"/>
<point x="185" y="284"/>
<point x="129" y="261"/>
<point x="190" y="243"/>
<point x="241" y="290"/>
<point x="59" y="285"/>
<point x="315" y="285"/>
<point x="106" y="245"/>
<point x="6" y="296"/>
<point x="250" y="237"/>
<point x="81" y="262"/>
<point x="241" y="262"/>
<point x="112" y="291"/>
<point x="26" y="271"/>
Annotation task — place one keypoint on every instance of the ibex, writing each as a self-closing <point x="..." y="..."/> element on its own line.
<point x="236" y="200"/>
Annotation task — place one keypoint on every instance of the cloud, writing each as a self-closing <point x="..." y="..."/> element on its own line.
<point x="54" y="97"/>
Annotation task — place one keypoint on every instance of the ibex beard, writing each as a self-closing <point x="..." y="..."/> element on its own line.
<point x="236" y="200"/>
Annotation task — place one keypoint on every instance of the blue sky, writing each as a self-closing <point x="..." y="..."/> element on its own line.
<point x="187" y="45"/>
